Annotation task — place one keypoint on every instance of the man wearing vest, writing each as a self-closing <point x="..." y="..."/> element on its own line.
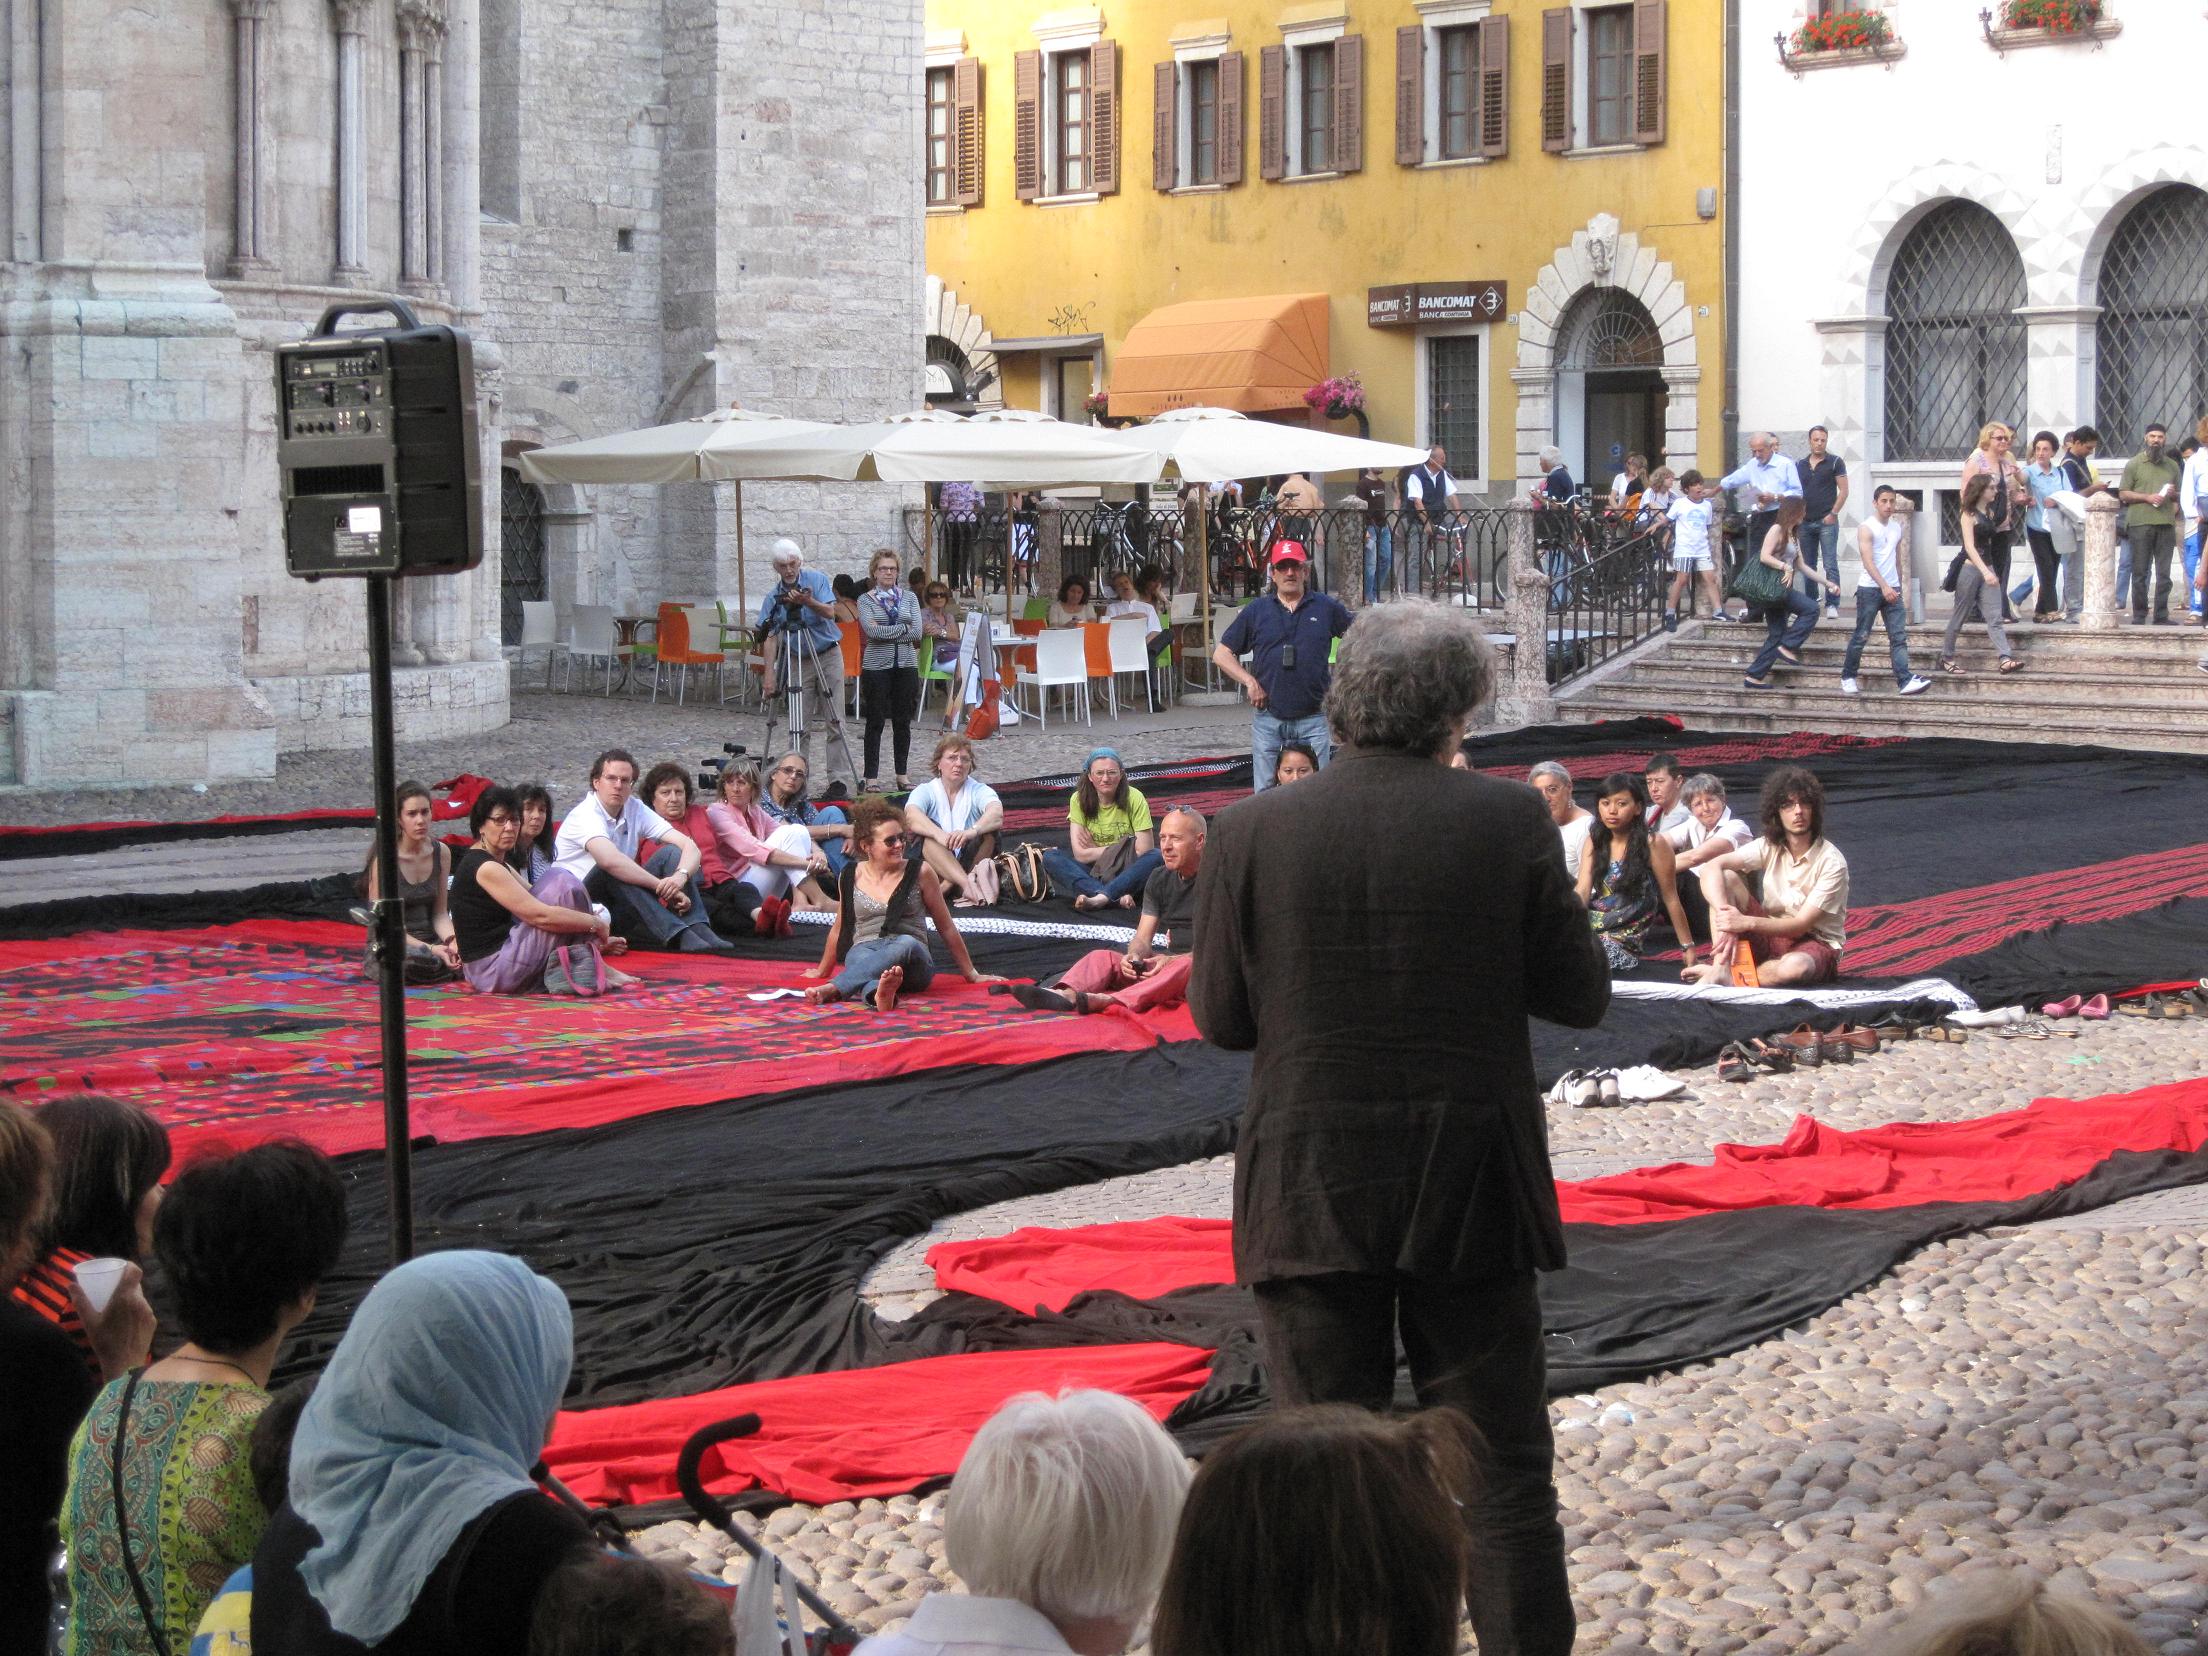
<point x="1430" y="495"/>
<point x="1289" y="637"/>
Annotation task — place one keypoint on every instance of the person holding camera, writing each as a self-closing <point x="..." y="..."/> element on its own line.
<point x="1289" y="637"/>
<point x="804" y="647"/>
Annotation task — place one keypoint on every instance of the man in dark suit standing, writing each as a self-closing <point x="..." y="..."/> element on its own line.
<point x="1392" y="1171"/>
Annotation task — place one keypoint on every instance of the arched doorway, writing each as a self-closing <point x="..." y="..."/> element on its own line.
<point x="1955" y="344"/>
<point x="2151" y="342"/>
<point x="1610" y="391"/>
<point x="521" y="550"/>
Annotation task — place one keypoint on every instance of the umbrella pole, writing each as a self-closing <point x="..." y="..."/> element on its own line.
<point x="743" y="604"/>
<point x="927" y="533"/>
<point x="1203" y="574"/>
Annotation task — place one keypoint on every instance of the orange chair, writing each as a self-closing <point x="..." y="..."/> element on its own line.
<point x="1023" y="658"/>
<point x="854" y="650"/>
<point x="1096" y="651"/>
<point x="674" y="651"/>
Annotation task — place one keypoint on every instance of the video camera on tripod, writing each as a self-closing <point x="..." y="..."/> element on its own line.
<point x="711" y="766"/>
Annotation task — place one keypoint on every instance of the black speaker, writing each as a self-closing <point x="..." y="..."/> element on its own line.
<point x="377" y="447"/>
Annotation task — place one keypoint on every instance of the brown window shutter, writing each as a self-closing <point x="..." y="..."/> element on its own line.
<point x="1410" y="95"/>
<point x="1650" y="25"/>
<point x="1104" y="120"/>
<point x="1349" y="104"/>
<point x="1494" y="85"/>
<point x="1272" y="112"/>
<point x="966" y="131"/>
<point x="1556" y="78"/>
<point x="1230" y="118"/>
<point x="1164" y="127"/>
<point x="1027" y="125"/>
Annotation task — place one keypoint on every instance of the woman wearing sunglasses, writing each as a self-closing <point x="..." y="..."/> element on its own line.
<point x="883" y="905"/>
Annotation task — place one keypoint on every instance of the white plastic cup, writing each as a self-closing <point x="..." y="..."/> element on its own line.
<point x="99" y="1279"/>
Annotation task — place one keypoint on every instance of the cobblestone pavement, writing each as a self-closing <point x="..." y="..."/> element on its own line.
<point x="2034" y="1396"/>
<point x="554" y="737"/>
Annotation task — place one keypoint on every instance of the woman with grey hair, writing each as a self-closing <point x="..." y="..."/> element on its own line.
<point x="1573" y="821"/>
<point x="1410" y="687"/>
<point x="1060" y="1522"/>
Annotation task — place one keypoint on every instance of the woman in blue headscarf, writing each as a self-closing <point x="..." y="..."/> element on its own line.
<point x="413" y="1525"/>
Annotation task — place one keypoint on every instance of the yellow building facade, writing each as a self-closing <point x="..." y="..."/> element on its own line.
<point x="1513" y="213"/>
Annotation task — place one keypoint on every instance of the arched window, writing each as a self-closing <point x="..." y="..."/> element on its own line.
<point x="520" y="550"/>
<point x="1954" y="344"/>
<point x="2152" y="338"/>
<point x="1609" y="329"/>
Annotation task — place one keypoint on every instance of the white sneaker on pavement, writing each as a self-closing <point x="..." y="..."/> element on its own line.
<point x="1849" y="687"/>
<point x="1916" y="687"/>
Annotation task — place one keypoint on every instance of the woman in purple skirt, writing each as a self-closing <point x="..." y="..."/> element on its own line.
<point x="514" y="937"/>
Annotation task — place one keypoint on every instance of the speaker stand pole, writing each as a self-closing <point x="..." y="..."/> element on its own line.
<point x="390" y="933"/>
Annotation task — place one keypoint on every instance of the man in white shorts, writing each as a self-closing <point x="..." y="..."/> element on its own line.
<point x="1691" y="548"/>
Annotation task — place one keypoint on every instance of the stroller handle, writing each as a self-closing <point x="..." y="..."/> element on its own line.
<point x="710" y="1507"/>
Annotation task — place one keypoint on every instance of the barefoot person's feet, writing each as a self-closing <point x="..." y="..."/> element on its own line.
<point x="886" y="987"/>
<point x="1127" y="901"/>
<point x="1087" y="903"/>
<point x="821" y="994"/>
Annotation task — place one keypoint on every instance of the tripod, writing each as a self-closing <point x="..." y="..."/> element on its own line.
<point x="800" y="667"/>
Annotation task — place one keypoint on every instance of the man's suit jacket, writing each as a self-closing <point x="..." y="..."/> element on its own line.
<point x="1378" y="936"/>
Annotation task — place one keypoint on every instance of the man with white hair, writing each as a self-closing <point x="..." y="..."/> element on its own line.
<point x="1392" y="1171"/>
<point x="1153" y="971"/>
<point x="1060" y="1523"/>
<point x="1769" y="477"/>
<point x="803" y="646"/>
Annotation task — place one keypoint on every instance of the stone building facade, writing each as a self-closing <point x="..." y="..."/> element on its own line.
<point x="1910" y="271"/>
<point x="640" y="208"/>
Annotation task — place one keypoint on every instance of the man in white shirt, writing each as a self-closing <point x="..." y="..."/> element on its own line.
<point x="1709" y="832"/>
<point x="1573" y="824"/>
<point x="1769" y="477"/>
<point x="1429" y="496"/>
<point x="2192" y="487"/>
<point x="1795" y="926"/>
<point x="656" y="903"/>
<point x="1665" y="809"/>
<point x="1881" y="541"/>
<point x="1125" y="601"/>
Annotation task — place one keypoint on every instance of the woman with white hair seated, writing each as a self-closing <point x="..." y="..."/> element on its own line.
<point x="1059" y="1522"/>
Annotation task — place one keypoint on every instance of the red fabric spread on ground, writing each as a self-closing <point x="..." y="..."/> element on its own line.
<point x="267" y="1028"/>
<point x="857" y="1432"/>
<point x="2004" y="1157"/>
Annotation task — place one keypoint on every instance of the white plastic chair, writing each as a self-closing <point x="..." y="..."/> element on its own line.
<point x="1130" y="653"/>
<point x="1061" y="663"/>
<point x="540" y="630"/>
<point x="593" y="635"/>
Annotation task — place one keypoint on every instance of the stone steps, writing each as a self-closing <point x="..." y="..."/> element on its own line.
<point x="2127" y="688"/>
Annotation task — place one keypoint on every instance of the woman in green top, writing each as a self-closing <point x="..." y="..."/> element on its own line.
<point x="243" y="1241"/>
<point x="1113" y="848"/>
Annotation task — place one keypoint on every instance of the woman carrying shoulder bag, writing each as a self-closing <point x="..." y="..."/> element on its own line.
<point x="1978" y="583"/>
<point x="1767" y="583"/>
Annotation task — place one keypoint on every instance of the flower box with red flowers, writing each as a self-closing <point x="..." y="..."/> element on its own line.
<point x="1844" y="31"/>
<point x="2054" y="16"/>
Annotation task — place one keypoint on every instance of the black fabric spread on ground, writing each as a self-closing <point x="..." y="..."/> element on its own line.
<point x="2165" y="944"/>
<point x="1635" y="1300"/>
<point x="706" y="1246"/>
<point x="323" y="898"/>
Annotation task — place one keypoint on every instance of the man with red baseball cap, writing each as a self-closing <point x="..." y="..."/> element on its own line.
<point x="1288" y="634"/>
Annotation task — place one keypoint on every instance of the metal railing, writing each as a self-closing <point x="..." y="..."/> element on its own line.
<point x="1609" y="575"/>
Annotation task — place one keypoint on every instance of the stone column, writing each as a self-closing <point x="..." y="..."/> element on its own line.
<point x="1526" y="699"/>
<point x="2099" y="553"/>
<point x="22" y="185"/>
<point x="433" y="157"/>
<point x="1050" y="546"/>
<point x="350" y="268"/>
<point x="460" y="121"/>
<point x="2058" y="359"/>
<point x="414" y="158"/>
<point x="251" y="236"/>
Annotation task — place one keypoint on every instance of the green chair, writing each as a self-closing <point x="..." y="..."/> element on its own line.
<point x="930" y="673"/>
<point x="1038" y="609"/>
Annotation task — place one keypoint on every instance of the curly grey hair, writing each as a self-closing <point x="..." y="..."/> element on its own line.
<point x="1409" y="674"/>
<point x="1701" y="785"/>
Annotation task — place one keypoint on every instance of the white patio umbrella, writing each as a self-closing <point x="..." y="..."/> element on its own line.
<point x="1215" y="445"/>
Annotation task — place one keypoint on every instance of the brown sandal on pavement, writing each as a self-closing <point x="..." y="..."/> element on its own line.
<point x="1952" y="668"/>
<point x="2009" y="664"/>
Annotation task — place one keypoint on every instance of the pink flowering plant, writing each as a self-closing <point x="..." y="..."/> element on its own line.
<point x="1340" y="396"/>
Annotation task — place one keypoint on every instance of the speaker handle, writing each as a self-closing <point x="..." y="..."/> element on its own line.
<point x="396" y="307"/>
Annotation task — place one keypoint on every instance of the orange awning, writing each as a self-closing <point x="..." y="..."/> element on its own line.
<point x="1253" y="355"/>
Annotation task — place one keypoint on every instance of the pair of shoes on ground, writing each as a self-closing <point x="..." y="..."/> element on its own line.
<point x="1635" y="1084"/>
<point x="1745" y="1060"/>
<point x="1814" y="1046"/>
<point x="772" y="919"/>
<point x="2186" y="1003"/>
<point x="2093" y="1008"/>
<point x="1916" y="686"/>
<point x="1036" y="998"/>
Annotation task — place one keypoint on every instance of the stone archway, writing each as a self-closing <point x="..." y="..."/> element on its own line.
<point x="1604" y="257"/>
<point x="961" y="365"/>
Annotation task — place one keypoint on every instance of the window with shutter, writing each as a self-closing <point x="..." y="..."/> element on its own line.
<point x="966" y="130"/>
<point x="1165" y="122"/>
<point x="1347" y="152"/>
<point x="1610" y="75"/>
<point x="1410" y="89"/>
<point x="1494" y="91"/>
<point x="1203" y="122"/>
<point x="1556" y="78"/>
<point x="942" y="167"/>
<point x="1027" y="125"/>
<point x="1104" y="117"/>
<point x="1272" y="112"/>
<point x="1459" y="88"/>
<point x="1650" y="25"/>
<point x="1071" y="123"/>
<point x="1229" y="78"/>
<point x="1315" y="109"/>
